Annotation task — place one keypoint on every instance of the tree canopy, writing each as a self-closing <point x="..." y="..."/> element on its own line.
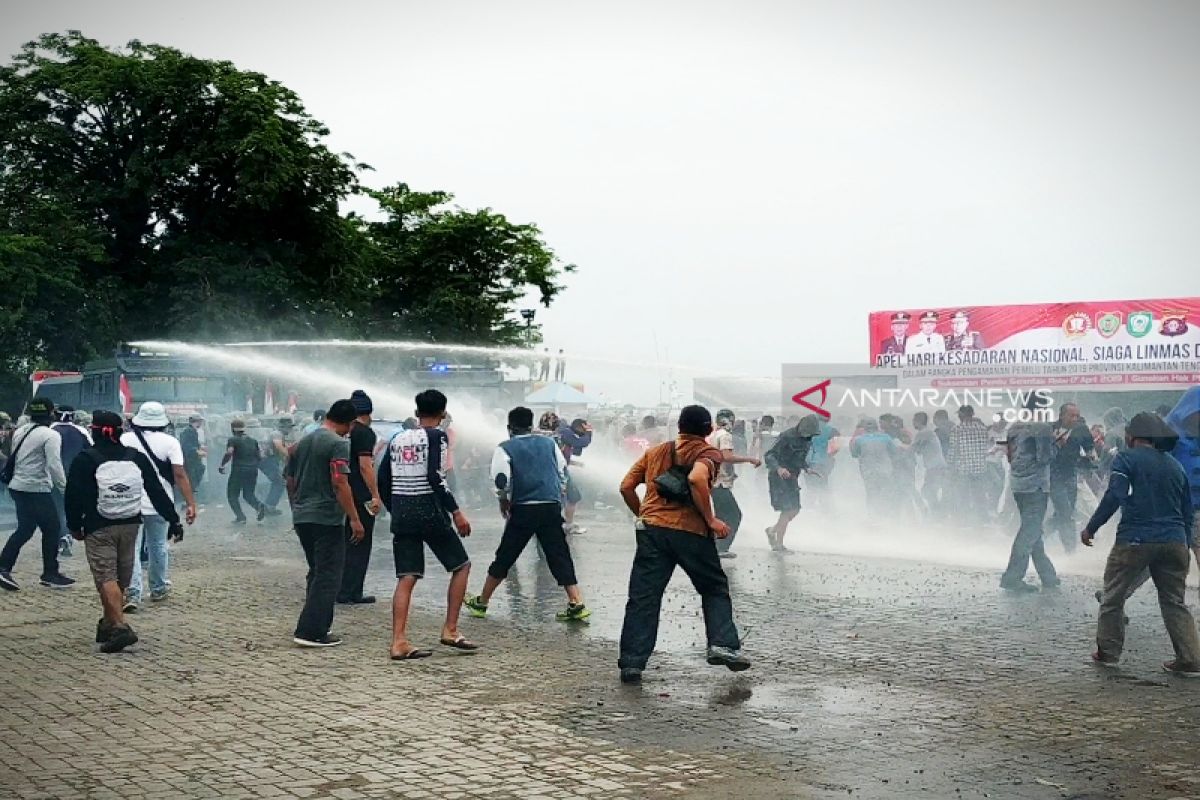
<point x="145" y="192"/>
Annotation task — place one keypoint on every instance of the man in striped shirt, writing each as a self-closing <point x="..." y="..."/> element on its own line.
<point x="412" y="481"/>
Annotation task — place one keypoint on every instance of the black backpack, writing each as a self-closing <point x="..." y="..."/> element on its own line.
<point x="673" y="485"/>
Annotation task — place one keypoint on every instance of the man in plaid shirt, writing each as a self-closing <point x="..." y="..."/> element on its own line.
<point x="970" y="442"/>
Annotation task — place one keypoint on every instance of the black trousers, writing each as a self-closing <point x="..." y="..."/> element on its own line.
<point x="241" y="482"/>
<point x="325" y="551"/>
<point x="34" y="510"/>
<point x="659" y="551"/>
<point x="543" y="520"/>
<point x="358" y="558"/>
<point x="726" y="507"/>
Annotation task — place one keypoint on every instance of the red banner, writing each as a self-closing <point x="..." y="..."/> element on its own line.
<point x="1133" y="343"/>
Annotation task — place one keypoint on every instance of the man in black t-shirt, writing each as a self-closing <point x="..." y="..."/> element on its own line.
<point x="364" y="485"/>
<point x="243" y="452"/>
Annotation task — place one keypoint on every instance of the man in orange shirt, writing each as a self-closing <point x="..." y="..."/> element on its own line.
<point x="679" y="532"/>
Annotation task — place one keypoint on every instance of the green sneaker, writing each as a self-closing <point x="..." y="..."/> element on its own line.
<point x="574" y="613"/>
<point x="476" y="606"/>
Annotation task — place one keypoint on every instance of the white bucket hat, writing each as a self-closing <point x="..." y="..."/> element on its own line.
<point x="151" y="415"/>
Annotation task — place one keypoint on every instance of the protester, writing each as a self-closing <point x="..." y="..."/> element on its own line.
<point x="75" y="439"/>
<point x="319" y="489"/>
<point x="109" y="486"/>
<point x="1184" y="420"/>
<point x="942" y="427"/>
<point x="1030" y="453"/>
<point x="530" y="476"/>
<point x="786" y="459"/>
<point x="573" y="439"/>
<point x="725" y="505"/>
<point x="875" y="451"/>
<point x="365" y="488"/>
<point x="903" y="486"/>
<point x="318" y="417"/>
<point x="1073" y="443"/>
<point x="821" y="461"/>
<point x="1156" y="530"/>
<point x="928" y="449"/>
<point x="676" y="527"/>
<point x="33" y="471"/>
<point x="414" y="488"/>
<point x="970" y="442"/>
<point x="148" y="435"/>
<point x="243" y="451"/>
<point x="273" y="461"/>
<point x="192" y="442"/>
<point x="996" y="461"/>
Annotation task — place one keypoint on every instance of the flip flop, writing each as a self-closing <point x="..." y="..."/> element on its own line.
<point x="461" y="643"/>
<point x="415" y="653"/>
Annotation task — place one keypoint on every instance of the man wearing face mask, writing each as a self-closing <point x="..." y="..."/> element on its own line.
<point x="725" y="505"/>
<point x="928" y="340"/>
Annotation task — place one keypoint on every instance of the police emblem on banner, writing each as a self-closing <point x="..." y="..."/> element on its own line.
<point x="1077" y="324"/>
<point x="1108" y="323"/>
<point x="1139" y="323"/>
<point x="1174" y="325"/>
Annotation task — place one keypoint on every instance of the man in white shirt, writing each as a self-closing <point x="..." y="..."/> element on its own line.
<point x="928" y="340"/>
<point x="725" y="505"/>
<point x="36" y="459"/>
<point x="166" y="454"/>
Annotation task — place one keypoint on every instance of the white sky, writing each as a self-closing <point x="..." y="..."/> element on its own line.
<point x="742" y="182"/>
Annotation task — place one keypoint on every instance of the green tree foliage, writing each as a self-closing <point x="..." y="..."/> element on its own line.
<point x="145" y="192"/>
<point x="447" y="274"/>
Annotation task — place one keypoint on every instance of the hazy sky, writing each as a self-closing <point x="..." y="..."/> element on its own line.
<point x="742" y="182"/>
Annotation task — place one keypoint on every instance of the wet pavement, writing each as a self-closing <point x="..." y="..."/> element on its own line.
<point x="874" y="677"/>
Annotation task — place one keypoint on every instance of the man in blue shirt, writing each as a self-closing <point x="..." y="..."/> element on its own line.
<point x="1031" y="451"/>
<point x="530" y="475"/>
<point x="1155" y="533"/>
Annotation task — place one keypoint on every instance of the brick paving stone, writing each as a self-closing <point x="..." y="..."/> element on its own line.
<point x="873" y="679"/>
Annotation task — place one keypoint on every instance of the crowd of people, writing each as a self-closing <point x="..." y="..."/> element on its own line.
<point x="127" y="486"/>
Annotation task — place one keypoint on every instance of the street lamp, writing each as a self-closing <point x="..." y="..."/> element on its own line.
<point x="528" y="314"/>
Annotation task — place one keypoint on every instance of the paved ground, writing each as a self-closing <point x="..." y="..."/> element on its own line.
<point x="873" y="678"/>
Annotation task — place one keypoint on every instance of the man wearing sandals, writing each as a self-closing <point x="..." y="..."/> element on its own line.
<point x="412" y="481"/>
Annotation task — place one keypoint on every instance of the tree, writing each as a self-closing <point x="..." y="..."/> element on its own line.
<point x="448" y="274"/>
<point x="177" y="161"/>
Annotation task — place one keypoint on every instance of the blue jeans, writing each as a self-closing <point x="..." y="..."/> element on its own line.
<point x="154" y="528"/>
<point x="34" y="510"/>
<point x="1028" y="544"/>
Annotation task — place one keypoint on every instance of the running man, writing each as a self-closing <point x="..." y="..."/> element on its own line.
<point x="530" y="475"/>
<point x="786" y="459"/>
<point x="412" y="482"/>
<point x="243" y="452"/>
<point x="725" y="505"/>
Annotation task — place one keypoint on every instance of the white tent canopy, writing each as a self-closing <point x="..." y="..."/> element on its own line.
<point x="558" y="394"/>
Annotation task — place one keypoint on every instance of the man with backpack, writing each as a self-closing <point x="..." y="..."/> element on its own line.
<point x="32" y="472"/>
<point x="148" y="435"/>
<point x="107" y="489"/>
<point x="676" y="527"/>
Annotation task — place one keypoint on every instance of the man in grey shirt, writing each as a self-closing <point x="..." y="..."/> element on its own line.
<point x="37" y="470"/>
<point x="318" y="485"/>
<point x="927" y="445"/>
<point x="1030" y="453"/>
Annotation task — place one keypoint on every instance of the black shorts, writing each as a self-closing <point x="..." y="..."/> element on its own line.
<point x="420" y="521"/>
<point x="785" y="494"/>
